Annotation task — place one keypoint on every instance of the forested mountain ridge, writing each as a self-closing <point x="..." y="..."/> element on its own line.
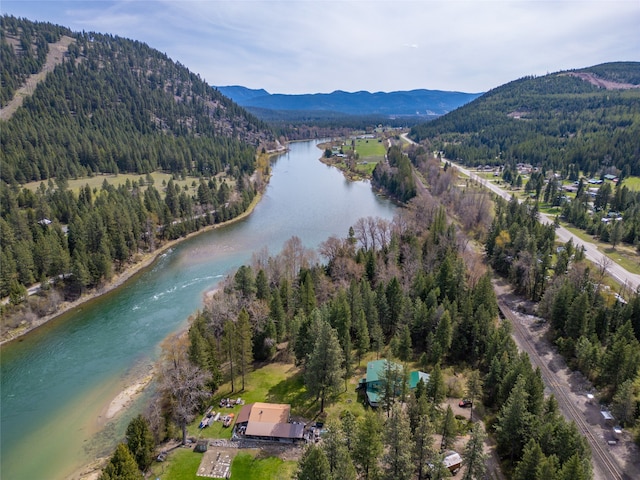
<point x="421" y="102"/>
<point x="115" y="105"/>
<point x="561" y="121"/>
<point x="111" y="106"/>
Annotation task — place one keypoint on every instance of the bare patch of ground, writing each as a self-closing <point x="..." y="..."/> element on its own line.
<point x="57" y="51"/>
<point x="599" y="82"/>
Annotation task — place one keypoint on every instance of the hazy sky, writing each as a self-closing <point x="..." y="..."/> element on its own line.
<point x="309" y="46"/>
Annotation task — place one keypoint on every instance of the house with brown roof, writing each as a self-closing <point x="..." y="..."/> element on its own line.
<point x="268" y="421"/>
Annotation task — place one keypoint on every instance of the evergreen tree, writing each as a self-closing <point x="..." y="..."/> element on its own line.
<point x="335" y="447"/>
<point x="474" y="389"/>
<point x="449" y="430"/>
<point x="313" y="465"/>
<point x="324" y="372"/>
<point x="140" y="442"/>
<point x="473" y="457"/>
<point x="576" y="468"/>
<point x="244" y="344"/>
<point x="527" y="467"/>
<point x="435" y="386"/>
<point x="398" y="459"/>
<point x="368" y="445"/>
<point x="362" y="336"/>
<point x="121" y="466"/>
<point x="423" y="450"/>
<point x="513" y="426"/>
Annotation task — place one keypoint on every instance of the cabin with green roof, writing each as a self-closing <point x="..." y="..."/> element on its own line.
<point x="373" y="384"/>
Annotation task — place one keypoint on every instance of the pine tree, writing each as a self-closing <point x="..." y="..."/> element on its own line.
<point x="405" y="351"/>
<point x="229" y="341"/>
<point x="313" y="465"/>
<point x="513" y="426"/>
<point x="334" y="445"/>
<point x="324" y="372"/>
<point x="575" y="468"/>
<point x="140" y="442"/>
<point x="121" y="466"/>
<point x="449" y="429"/>
<point x="362" y="336"/>
<point x="473" y="457"/>
<point x="474" y="389"/>
<point x="399" y="464"/>
<point x="244" y="344"/>
<point x="527" y="467"/>
<point x="423" y="446"/>
<point x="436" y="386"/>
<point x="368" y="445"/>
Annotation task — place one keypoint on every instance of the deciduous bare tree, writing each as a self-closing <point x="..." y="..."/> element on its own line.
<point x="181" y="382"/>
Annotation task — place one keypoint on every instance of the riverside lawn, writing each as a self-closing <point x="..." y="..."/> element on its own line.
<point x="273" y="383"/>
<point x="280" y="383"/>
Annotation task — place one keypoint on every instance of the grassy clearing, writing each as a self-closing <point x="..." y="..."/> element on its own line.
<point x="632" y="183"/>
<point x="182" y="464"/>
<point x="252" y="467"/>
<point x="96" y="182"/>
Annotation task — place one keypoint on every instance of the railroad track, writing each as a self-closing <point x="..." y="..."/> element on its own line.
<point x="600" y="455"/>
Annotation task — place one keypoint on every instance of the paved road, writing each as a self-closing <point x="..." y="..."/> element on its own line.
<point x="622" y="276"/>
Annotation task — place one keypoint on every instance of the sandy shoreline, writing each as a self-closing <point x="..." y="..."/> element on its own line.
<point x="126" y="397"/>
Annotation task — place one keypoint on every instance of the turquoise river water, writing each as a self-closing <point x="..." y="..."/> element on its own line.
<point x="57" y="381"/>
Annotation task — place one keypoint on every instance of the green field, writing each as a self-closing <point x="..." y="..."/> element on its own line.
<point x="96" y="181"/>
<point x="249" y="467"/>
<point x="370" y="148"/>
<point x="632" y="183"/>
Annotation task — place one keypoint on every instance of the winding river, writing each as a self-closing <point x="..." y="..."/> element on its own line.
<point x="57" y="381"/>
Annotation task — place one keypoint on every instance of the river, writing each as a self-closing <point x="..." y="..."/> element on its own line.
<point x="57" y="381"/>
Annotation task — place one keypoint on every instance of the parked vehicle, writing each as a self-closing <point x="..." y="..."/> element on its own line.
<point x="465" y="403"/>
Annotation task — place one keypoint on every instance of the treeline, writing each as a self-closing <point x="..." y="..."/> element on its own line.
<point x="403" y="288"/>
<point x="80" y="240"/>
<point x="395" y="175"/>
<point x="116" y="105"/>
<point x="556" y="122"/>
<point x="596" y="330"/>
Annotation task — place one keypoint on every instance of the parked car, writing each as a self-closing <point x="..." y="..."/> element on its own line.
<point x="465" y="403"/>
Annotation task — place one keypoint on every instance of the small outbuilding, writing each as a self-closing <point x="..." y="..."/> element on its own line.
<point x="453" y="461"/>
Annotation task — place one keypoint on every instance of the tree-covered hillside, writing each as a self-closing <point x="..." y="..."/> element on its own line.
<point x="110" y="106"/>
<point x="561" y="121"/>
<point x="115" y="105"/>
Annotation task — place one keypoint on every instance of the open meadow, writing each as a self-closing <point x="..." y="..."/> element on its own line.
<point x="158" y="179"/>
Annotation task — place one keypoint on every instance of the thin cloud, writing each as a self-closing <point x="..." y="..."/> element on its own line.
<point x="321" y="46"/>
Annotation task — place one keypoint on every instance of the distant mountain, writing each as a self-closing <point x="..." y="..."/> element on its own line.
<point x="585" y="120"/>
<point x="428" y="103"/>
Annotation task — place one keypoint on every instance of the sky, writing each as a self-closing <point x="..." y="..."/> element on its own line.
<point x="318" y="46"/>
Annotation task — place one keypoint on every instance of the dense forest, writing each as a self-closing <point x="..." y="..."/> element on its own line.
<point x="597" y="331"/>
<point x="408" y="289"/>
<point x="116" y="105"/>
<point x="112" y="106"/>
<point x="560" y="122"/>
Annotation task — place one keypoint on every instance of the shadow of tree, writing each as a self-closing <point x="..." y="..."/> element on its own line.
<point x="293" y="391"/>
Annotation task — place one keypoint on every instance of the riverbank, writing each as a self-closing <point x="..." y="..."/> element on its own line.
<point x="118" y="280"/>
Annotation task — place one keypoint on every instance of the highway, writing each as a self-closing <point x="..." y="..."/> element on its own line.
<point x="625" y="278"/>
